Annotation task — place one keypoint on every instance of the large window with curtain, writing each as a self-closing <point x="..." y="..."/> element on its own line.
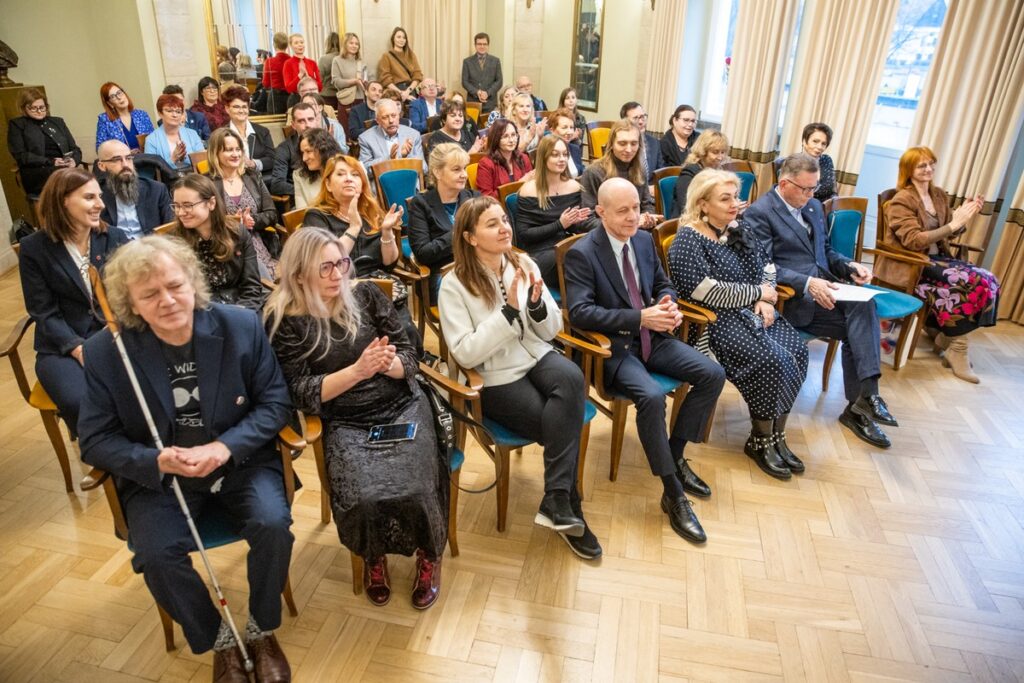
<point x="719" y="60"/>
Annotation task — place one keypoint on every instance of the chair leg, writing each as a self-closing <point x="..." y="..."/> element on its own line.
<point x="619" y="410"/>
<point x="453" y="508"/>
<point x="52" y="426"/>
<point x="922" y="317"/>
<point x="905" y="332"/>
<point x="288" y="598"/>
<point x="582" y="458"/>
<point x="357" y="573"/>
<point x="325" y="493"/>
<point x="826" y="369"/>
<point x="168" y="624"/>
<point x="501" y="468"/>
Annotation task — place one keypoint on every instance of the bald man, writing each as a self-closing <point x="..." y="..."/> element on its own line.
<point x="615" y="285"/>
<point x="389" y="139"/>
<point x="136" y="205"/>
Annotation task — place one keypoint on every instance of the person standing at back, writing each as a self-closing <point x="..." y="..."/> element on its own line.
<point x="481" y="74"/>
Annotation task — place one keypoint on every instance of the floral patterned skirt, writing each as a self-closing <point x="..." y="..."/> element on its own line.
<point x="961" y="297"/>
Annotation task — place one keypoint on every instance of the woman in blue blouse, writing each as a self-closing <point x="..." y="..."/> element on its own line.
<point x="172" y="140"/>
<point x="120" y="119"/>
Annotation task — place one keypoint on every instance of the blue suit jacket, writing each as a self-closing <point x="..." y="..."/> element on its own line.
<point x="153" y="206"/>
<point x="55" y="294"/>
<point x="598" y="300"/>
<point x="244" y="400"/>
<point x="797" y="256"/>
<point x="418" y="113"/>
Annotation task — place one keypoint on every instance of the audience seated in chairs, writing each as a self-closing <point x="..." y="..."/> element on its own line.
<point x="499" y="319"/>
<point x="327" y="123"/>
<point x="346" y="207"/>
<point x="601" y="274"/>
<point x="678" y="140"/>
<point x="562" y="125"/>
<point x="389" y="139"/>
<point x="550" y="208"/>
<point x="299" y="67"/>
<point x="622" y="160"/>
<point x="39" y="143"/>
<point x="223" y="246"/>
<point x="399" y="66"/>
<point x="432" y="213"/>
<point x="171" y="141"/>
<point x="711" y="150"/>
<point x="719" y="263"/>
<point x="426" y="105"/>
<point x="347" y="75"/>
<point x="193" y="119"/>
<point x="961" y="297"/>
<point x="457" y="96"/>
<point x="308" y="86"/>
<point x="504" y="162"/>
<point x="287" y="157"/>
<point x="505" y="106"/>
<point x="790" y="222"/>
<point x="816" y="138"/>
<point x="316" y="146"/>
<point x="567" y="100"/>
<point x="346" y="357"/>
<point x="54" y="266"/>
<point x="650" y="146"/>
<point x="223" y="449"/>
<point x="259" y="144"/>
<point x="245" y="197"/>
<point x="120" y="119"/>
<point x="364" y="110"/>
<point x="209" y="104"/>
<point x="136" y="205"/>
<point x="530" y="131"/>
<point x="452" y="119"/>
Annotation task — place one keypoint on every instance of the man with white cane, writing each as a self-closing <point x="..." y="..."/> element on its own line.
<point x="182" y="407"/>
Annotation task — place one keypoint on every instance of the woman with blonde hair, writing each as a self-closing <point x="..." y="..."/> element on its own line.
<point x="347" y="359"/>
<point x="530" y="132"/>
<point x="711" y="150"/>
<point x="348" y="75"/>
<point x="621" y="160"/>
<point x="719" y="263"/>
<point x="506" y="98"/>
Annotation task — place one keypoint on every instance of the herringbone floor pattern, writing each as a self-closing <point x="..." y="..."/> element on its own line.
<point x="906" y="565"/>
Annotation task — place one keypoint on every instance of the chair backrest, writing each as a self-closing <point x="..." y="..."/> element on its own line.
<point x="431" y="120"/>
<point x="561" y="249"/>
<point x="845" y="232"/>
<point x="598" y="140"/>
<point x="293" y="219"/>
<point x="471" y="172"/>
<point x="398" y="179"/>
<point x="884" y="198"/>
<point x="288" y="132"/>
<point x="425" y="141"/>
<point x="200" y="161"/>
<point x="165" y="228"/>
<point x="665" y="188"/>
<point x="509" y="196"/>
<point x="475" y="157"/>
<point x="737" y="166"/>
<point x="748" y="186"/>
<point x="141" y="137"/>
<point x="472" y="112"/>
<point x="664" y="233"/>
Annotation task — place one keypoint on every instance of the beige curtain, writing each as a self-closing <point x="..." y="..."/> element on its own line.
<point x="764" y="38"/>
<point x="972" y="104"/>
<point x="259" y="11"/>
<point x="662" y="74"/>
<point x="319" y="19"/>
<point x="280" y="16"/>
<point x="441" y="34"/>
<point x="843" y="45"/>
<point x="229" y="32"/>
<point x="1009" y="261"/>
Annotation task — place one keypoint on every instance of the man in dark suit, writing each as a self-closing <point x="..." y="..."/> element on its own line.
<point x="650" y="146"/>
<point x="481" y="74"/>
<point x="615" y="285"/>
<point x="791" y="224"/>
<point x="218" y="399"/>
<point x="136" y="205"/>
<point x="364" y="110"/>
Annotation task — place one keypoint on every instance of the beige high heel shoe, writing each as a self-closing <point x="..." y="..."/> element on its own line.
<point x="940" y="343"/>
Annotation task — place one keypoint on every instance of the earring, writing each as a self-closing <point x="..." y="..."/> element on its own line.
<point x="703" y="217"/>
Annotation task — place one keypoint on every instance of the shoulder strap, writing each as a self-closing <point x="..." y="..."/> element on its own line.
<point x="408" y="71"/>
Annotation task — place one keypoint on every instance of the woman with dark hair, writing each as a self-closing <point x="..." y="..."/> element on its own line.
<point x="816" y="138"/>
<point x="316" y="146"/>
<point x="347" y="359"/>
<point x="54" y="266"/>
<point x="568" y="100"/>
<point x="621" y="160"/>
<point x="209" y="104"/>
<point x="680" y="136"/>
<point x="326" y="122"/>
<point x="504" y="162"/>
<point x="39" y="143"/>
<point x="348" y="74"/>
<point x="399" y="65"/>
<point x="499" y="319"/>
<point x="224" y="248"/>
<point x="452" y="117"/>
<point x="120" y="119"/>
<point x="172" y="140"/>
<point x="259" y="144"/>
<point x="332" y="48"/>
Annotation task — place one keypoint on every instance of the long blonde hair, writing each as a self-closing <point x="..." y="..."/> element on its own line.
<point x="701" y="187"/>
<point x="544" y="150"/>
<point x="468" y="269"/>
<point x="296" y="294"/>
<point x="707" y="141"/>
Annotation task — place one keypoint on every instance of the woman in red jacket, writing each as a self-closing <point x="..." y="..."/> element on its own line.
<point x="299" y="66"/>
<point x="504" y="162"/>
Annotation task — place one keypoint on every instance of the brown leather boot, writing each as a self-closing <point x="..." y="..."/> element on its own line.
<point x="271" y="664"/>
<point x="228" y="666"/>
<point x="957" y="359"/>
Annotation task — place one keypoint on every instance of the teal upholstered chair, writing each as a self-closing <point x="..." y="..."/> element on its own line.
<point x="665" y="188"/>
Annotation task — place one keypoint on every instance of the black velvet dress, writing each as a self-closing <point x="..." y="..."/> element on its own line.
<point x="387" y="498"/>
<point x="539" y="230"/>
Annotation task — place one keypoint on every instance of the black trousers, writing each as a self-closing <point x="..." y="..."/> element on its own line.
<point x="547" y="406"/>
<point x="855" y="323"/>
<point x="63" y="377"/>
<point x="673" y="358"/>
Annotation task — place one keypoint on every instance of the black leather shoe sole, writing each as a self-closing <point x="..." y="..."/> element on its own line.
<point x="572" y="526"/>
<point x="862" y="432"/>
<point x="695" y="536"/>
<point x="782" y="474"/>
<point x="585" y="546"/>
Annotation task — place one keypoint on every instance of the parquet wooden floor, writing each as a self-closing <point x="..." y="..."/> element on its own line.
<point x="905" y="565"/>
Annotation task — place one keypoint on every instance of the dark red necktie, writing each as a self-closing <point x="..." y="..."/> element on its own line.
<point x="634" y="298"/>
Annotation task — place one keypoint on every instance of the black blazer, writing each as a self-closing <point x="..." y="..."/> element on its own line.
<point x="430" y="229"/>
<point x="357" y="118"/>
<point x="597" y="296"/>
<point x="286" y="160"/>
<point x="652" y="151"/>
<point x="153" y="206"/>
<point x="26" y="141"/>
<point x="244" y="404"/>
<point x="682" y="188"/>
<point x="266" y="215"/>
<point x="55" y="294"/>
<point x="671" y="155"/>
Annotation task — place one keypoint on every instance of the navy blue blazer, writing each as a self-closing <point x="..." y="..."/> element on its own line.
<point x="598" y="300"/>
<point x="652" y="150"/>
<point x="55" y="294"/>
<point x="153" y="206"/>
<point x="797" y="257"/>
<point x="418" y="113"/>
<point x="576" y="152"/>
<point x="244" y="399"/>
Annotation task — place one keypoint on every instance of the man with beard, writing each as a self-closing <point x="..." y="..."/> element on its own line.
<point x="134" y="204"/>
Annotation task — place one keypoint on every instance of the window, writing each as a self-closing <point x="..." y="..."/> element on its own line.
<point x="911" y="49"/>
<point x="716" y="68"/>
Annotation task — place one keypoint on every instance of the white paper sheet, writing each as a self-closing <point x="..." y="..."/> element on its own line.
<point x="853" y="292"/>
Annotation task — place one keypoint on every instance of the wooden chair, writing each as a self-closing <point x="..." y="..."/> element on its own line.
<point x="431" y="121"/>
<point x="142" y="140"/>
<point x="748" y="179"/>
<point x="508" y="194"/>
<point x="293" y="219"/>
<point x="471" y="171"/>
<point x="200" y="161"/>
<point x="397" y="180"/>
<point x="665" y="188"/>
<point x="473" y="112"/>
<point x="216" y="528"/>
<point x="959" y="250"/>
<point x="164" y="229"/>
<point x="37" y="398"/>
<point x="615" y="406"/>
<point x="475" y="157"/>
<point x="598" y="133"/>
<point x="288" y="131"/>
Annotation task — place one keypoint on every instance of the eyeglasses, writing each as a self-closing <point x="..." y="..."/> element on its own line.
<point x="638" y="118"/>
<point x="805" y="190"/>
<point x="185" y="207"/>
<point x="211" y="86"/>
<point x="40" y="109"/>
<point x="327" y="267"/>
<point x="115" y="94"/>
<point x="119" y="160"/>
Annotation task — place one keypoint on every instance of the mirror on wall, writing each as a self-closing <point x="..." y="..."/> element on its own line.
<point x="588" y="28"/>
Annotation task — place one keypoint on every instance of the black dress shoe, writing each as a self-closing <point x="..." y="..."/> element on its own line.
<point x="874" y="408"/>
<point x="691" y="482"/>
<point x="586" y="546"/>
<point x="794" y="463"/>
<point x="761" y="449"/>
<point x="682" y="519"/>
<point x="556" y="513"/>
<point x="864" y="428"/>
